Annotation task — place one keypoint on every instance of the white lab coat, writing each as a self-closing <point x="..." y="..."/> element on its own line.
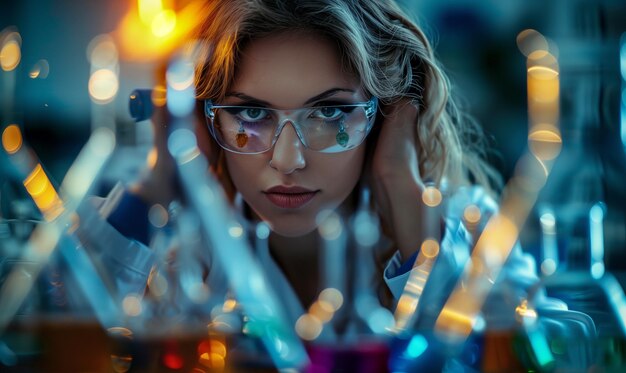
<point x="128" y="265"/>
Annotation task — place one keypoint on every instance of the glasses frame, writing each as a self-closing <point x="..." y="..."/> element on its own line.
<point x="371" y="107"/>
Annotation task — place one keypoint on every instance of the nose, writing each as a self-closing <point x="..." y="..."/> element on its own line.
<point x="288" y="151"/>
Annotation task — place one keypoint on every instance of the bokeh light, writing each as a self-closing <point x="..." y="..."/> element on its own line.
<point x="158" y="216"/>
<point x="148" y="9"/>
<point x="152" y="29"/>
<point x="40" y="70"/>
<point x="543" y="84"/>
<point x="180" y="75"/>
<point x="366" y="229"/>
<point x="44" y="195"/>
<point x="132" y="305"/>
<point x="212" y="360"/>
<point x="380" y="320"/>
<point x="430" y="248"/>
<point x="308" y="327"/>
<point x="102" y="52"/>
<point x="10" y="51"/>
<point x="530" y="40"/>
<point x="157" y="284"/>
<point x="416" y="346"/>
<point x="163" y="23"/>
<point x="103" y="86"/>
<point x="471" y="214"/>
<point x="236" y="231"/>
<point x="159" y="96"/>
<point x="322" y="310"/>
<point x="330" y="225"/>
<point x="431" y="196"/>
<point x="12" y="139"/>
<point x="548" y="267"/>
<point x="229" y="305"/>
<point x="333" y="297"/>
<point x="198" y="292"/>
<point x="545" y="144"/>
<point x="152" y="157"/>
<point x="121" y="363"/>
<point x="173" y="360"/>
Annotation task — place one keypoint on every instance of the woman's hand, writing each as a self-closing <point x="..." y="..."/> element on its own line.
<point x="397" y="184"/>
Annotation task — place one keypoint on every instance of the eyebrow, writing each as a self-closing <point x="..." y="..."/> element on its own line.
<point x="315" y="98"/>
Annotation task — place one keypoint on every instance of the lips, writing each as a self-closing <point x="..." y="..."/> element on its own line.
<point x="289" y="197"/>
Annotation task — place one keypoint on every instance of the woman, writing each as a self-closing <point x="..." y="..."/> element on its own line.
<point x="302" y="104"/>
<point x="290" y="55"/>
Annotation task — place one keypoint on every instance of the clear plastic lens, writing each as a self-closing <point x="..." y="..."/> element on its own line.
<point x="327" y="129"/>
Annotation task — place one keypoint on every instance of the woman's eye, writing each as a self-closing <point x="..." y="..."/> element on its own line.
<point x="327" y="113"/>
<point x="252" y="114"/>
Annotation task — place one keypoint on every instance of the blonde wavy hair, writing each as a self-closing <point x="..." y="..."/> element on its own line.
<point x="378" y="43"/>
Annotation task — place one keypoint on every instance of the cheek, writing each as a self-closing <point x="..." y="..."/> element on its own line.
<point x="244" y="170"/>
<point x="342" y="171"/>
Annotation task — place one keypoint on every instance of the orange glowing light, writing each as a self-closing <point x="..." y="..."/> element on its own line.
<point x="543" y="84"/>
<point x="471" y="214"/>
<point x="546" y="63"/>
<point x="229" y="305"/>
<point x="34" y="72"/>
<point x="410" y="298"/>
<point x="543" y="102"/>
<point x="159" y="96"/>
<point x="455" y="322"/>
<point x="212" y="360"/>
<point x="152" y="158"/>
<point x="43" y="193"/>
<point x="322" y="310"/>
<point x="103" y="86"/>
<point x="543" y="91"/>
<point x="10" y="55"/>
<point x="163" y="23"/>
<point x="431" y="196"/>
<point x="153" y="39"/>
<point x="538" y="55"/>
<point x="462" y="308"/>
<point x="12" y="139"/>
<point x="498" y="237"/>
<point x="406" y="307"/>
<point x="523" y="311"/>
<point x="545" y="144"/>
<point x="430" y="249"/>
<point x="218" y="348"/>
<point x="148" y="9"/>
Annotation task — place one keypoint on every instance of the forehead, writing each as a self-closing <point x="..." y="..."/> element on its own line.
<point x="286" y="69"/>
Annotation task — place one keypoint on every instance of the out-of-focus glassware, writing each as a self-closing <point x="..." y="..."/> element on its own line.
<point x="581" y="212"/>
<point x="580" y="217"/>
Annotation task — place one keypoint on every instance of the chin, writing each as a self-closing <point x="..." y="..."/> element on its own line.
<point x="292" y="229"/>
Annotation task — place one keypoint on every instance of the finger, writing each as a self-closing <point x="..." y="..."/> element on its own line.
<point x="396" y="152"/>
